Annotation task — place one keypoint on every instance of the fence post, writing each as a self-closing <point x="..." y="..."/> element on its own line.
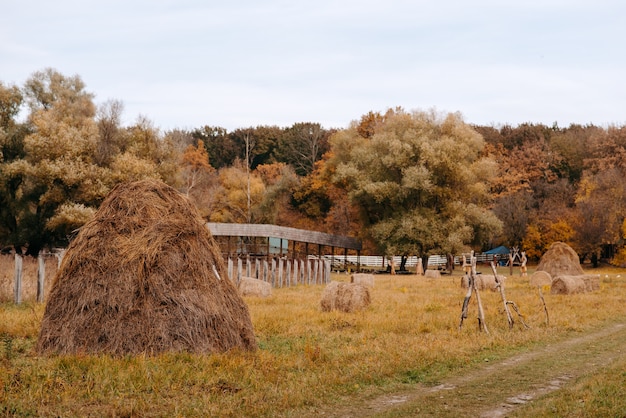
<point x="273" y="273"/>
<point x="328" y="271"/>
<point x="296" y="274"/>
<point x="230" y="270"/>
<point x="280" y="272"/>
<point x="41" y="276"/>
<point x="18" y="278"/>
<point x="315" y="270"/>
<point x="239" y="269"/>
<point x="266" y="269"/>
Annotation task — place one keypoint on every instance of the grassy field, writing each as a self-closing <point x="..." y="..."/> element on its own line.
<point x="309" y="359"/>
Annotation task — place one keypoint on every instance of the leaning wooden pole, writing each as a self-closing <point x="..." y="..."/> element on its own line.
<point x="481" y="313"/>
<point x="466" y="301"/>
<point x="545" y="308"/>
<point x="500" y="286"/>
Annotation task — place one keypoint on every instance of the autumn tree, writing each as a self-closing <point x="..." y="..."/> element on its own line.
<point x="279" y="180"/>
<point x="110" y="132"/>
<point x="419" y="181"/>
<point x="219" y="145"/>
<point x="232" y="203"/>
<point x="57" y="178"/>
<point x="302" y="145"/>
<point x="12" y="134"/>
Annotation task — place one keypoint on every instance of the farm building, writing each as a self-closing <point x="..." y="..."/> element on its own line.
<point x="283" y="255"/>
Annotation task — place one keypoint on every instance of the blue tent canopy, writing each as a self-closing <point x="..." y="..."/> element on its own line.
<point x="498" y="250"/>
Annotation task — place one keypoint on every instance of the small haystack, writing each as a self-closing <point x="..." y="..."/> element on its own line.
<point x="560" y="259"/>
<point x="569" y="285"/>
<point x="249" y="286"/>
<point x="540" y="278"/>
<point x="432" y="274"/>
<point x="144" y="276"/>
<point x="483" y="281"/>
<point x="345" y="297"/>
<point x="366" y="279"/>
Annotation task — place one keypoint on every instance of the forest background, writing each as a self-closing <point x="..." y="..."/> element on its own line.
<point x="406" y="183"/>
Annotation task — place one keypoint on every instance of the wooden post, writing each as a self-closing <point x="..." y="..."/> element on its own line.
<point x="545" y="308"/>
<point x="41" y="276"/>
<point x="266" y="271"/>
<point x="501" y="288"/>
<point x="328" y="270"/>
<point x="295" y="280"/>
<point x="481" y="313"/>
<point x="18" y="278"/>
<point x="466" y="301"/>
<point x="315" y="270"/>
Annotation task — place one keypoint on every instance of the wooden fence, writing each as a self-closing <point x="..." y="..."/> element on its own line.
<point x="23" y="278"/>
<point x="280" y="272"/>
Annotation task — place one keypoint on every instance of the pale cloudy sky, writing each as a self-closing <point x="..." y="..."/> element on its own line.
<point x="241" y="63"/>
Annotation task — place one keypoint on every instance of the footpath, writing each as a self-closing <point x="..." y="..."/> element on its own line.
<point x="497" y="388"/>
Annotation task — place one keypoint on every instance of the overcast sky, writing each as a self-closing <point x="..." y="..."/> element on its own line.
<point x="243" y="63"/>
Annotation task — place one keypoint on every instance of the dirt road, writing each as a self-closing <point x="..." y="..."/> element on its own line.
<point x="497" y="388"/>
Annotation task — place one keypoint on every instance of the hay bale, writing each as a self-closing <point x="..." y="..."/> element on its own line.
<point x="560" y="260"/>
<point x="432" y="274"/>
<point x="249" y="286"/>
<point x="144" y="276"/>
<point x="345" y="297"/>
<point x="483" y="281"/>
<point x="365" y="279"/>
<point x="568" y="285"/>
<point x="592" y="282"/>
<point x="540" y="278"/>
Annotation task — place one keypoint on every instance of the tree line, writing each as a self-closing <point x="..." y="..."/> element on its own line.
<point x="406" y="183"/>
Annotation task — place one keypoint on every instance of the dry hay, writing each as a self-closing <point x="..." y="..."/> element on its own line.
<point x="366" y="279"/>
<point x="144" y="276"/>
<point x="560" y="259"/>
<point x="569" y="285"/>
<point x="345" y="297"/>
<point x="432" y="274"/>
<point x="249" y="286"/>
<point x="483" y="281"/>
<point x="540" y="278"/>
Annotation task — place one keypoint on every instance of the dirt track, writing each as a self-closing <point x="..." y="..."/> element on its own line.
<point x="498" y="388"/>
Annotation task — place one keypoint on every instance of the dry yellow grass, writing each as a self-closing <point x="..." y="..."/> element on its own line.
<point x="306" y="358"/>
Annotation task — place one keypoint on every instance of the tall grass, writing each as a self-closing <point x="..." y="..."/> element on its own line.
<point x="306" y="357"/>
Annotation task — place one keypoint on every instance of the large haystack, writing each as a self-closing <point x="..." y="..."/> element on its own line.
<point x="144" y="276"/>
<point x="345" y="297"/>
<point x="560" y="259"/>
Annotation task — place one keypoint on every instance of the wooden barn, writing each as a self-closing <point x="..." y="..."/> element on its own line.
<point x="282" y="255"/>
